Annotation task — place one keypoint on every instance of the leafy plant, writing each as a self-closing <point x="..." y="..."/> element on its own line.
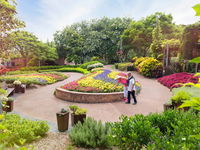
<point x="80" y="111"/>
<point x="150" y="68"/>
<point x="84" y="66"/>
<point x="14" y="129"/>
<point x="133" y="132"/>
<point x="91" y="134"/>
<point x="180" y="96"/>
<point x="193" y="103"/>
<point x="97" y="65"/>
<point x="2" y="91"/>
<point x="73" y="108"/>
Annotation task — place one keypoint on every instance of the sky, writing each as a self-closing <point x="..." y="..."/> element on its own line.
<point x="44" y="17"/>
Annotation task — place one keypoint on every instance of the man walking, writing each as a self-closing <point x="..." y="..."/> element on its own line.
<point x="131" y="88"/>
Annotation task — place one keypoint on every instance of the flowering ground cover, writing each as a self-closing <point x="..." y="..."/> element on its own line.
<point x="100" y="81"/>
<point x="37" y="78"/>
<point x="178" y="79"/>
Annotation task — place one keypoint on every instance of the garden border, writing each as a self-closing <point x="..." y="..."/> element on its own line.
<point x="81" y="97"/>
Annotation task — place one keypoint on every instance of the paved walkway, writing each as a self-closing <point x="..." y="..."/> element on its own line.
<point x="40" y="103"/>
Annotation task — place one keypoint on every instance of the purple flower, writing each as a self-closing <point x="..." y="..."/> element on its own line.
<point x="104" y="77"/>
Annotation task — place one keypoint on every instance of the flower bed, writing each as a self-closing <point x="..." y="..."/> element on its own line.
<point x="39" y="78"/>
<point x="102" y="81"/>
<point x="177" y="79"/>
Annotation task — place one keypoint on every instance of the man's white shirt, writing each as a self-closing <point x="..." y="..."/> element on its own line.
<point x="131" y="85"/>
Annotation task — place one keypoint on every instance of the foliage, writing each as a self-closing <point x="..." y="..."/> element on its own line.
<point x="14" y="129"/>
<point x="192" y="91"/>
<point x="193" y="103"/>
<point x="39" y="78"/>
<point x="20" y="72"/>
<point x="197" y="9"/>
<point x="31" y="49"/>
<point x="84" y="66"/>
<point x="68" y="44"/>
<point x="125" y="66"/>
<point x="180" y="96"/>
<point x="150" y="68"/>
<point x="138" y="36"/>
<point x="8" y="23"/>
<point x="190" y="38"/>
<point x="156" y="45"/>
<point x="129" y="132"/>
<point x="2" y="91"/>
<point x="79" y="70"/>
<point x="171" y="129"/>
<point x="97" y="65"/>
<point x="195" y="60"/>
<point x="91" y="134"/>
<point x="47" y="67"/>
<point x="80" y="111"/>
<point x="138" y="61"/>
<point x="73" y="108"/>
<point x="97" y="37"/>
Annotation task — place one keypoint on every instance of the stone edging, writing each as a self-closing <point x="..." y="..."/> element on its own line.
<point x="81" y="97"/>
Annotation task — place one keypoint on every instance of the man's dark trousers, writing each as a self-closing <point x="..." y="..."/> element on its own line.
<point x="129" y="96"/>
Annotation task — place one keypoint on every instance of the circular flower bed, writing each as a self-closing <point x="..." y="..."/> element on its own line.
<point x="99" y="86"/>
<point x="102" y="81"/>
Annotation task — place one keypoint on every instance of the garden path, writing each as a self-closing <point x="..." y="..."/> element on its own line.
<point x="40" y="103"/>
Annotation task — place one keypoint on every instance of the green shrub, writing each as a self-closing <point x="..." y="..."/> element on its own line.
<point x="84" y="66"/>
<point x="20" y="72"/>
<point x="97" y="65"/>
<point x="193" y="103"/>
<point x="193" y="91"/>
<point x="138" y="61"/>
<point x="150" y="67"/>
<point x="133" y="132"/>
<point x="180" y="96"/>
<point x="172" y="129"/>
<point x="125" y="66"/>
<point x="116" y="65"/>
<point x="91" y="134"/>
<point x="79" y="70"/>
<point x="17" y="129"/>
<point x="48" y="67"/>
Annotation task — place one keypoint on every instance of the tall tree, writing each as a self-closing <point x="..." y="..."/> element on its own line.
<point x="68" y="44"/>
<point x="8" y="22"/>
<point x="156" y="45"/>
<point x="138" y="36"/>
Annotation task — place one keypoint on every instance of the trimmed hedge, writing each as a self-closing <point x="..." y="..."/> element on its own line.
<point x="79" y="70"/>
<point x="48" y="67"/>
<point x="84" y="66"/>
<point x="124" y="66"/>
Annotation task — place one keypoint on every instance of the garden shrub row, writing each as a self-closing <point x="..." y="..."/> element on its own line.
<point x="16" y="130"/>
<point x="79" y="70"/>
<point x="171" y="129"/>
<point x="96" y="65"/>
<point x="124" y="66"/>
<point x="36" y="68"/>
<point x="84" y="66"/>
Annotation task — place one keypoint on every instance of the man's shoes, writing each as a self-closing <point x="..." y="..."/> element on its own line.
<point x="134" y="103"/>
<point x="127" y="103"/>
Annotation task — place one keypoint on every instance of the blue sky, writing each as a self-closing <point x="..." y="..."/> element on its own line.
<point x="45" y="17"/>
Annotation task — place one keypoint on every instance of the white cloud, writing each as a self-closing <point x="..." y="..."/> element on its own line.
<point x="54" y="15"/>
<point x="57" y="14"/>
